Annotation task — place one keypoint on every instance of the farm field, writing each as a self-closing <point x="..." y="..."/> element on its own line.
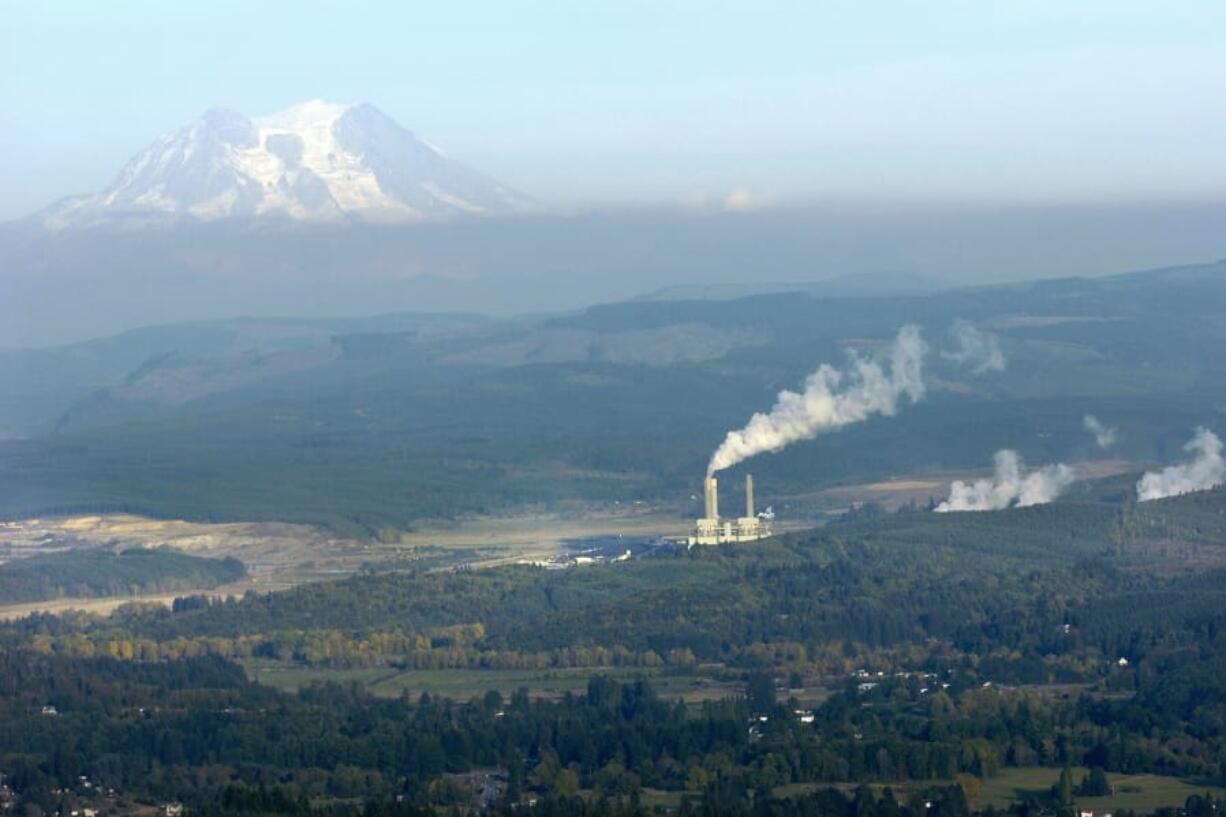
<point x="1136" y="792"/>
<point x="704" y="683"/>
<point x="1142" y="793"/>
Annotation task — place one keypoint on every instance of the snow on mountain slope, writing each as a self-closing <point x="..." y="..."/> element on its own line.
<point x="316" y="161"/>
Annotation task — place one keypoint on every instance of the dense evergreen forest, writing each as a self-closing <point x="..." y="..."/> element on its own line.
<point x="953" y="646"/>
<point x="82" y="573"/>
<point x="193" y="728"/>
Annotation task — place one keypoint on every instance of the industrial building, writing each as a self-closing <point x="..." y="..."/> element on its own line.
<point x="711" y="530"/>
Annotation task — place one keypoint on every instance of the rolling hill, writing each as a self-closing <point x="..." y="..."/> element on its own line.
<point x="381" y="421"/>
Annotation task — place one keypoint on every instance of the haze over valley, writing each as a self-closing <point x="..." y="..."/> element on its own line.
<point x="326" y="210"/>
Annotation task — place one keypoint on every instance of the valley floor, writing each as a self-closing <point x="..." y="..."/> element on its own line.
<point x="280" y="555"/>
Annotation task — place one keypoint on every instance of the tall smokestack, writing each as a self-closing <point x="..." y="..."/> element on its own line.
<point x="749" y="496"/>
<point x="711" y="493"/>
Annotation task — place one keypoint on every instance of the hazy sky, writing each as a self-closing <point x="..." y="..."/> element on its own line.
<point x="627" y="102"/>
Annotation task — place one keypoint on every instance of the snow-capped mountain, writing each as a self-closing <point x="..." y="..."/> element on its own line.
<point x="316" y="161"/>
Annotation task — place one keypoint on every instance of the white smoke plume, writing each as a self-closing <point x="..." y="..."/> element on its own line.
<point x="975" y="348"/>
<point x="1204" y="471"/>
<point x="832" y="398"/>
<point x="1009" y="487"/>
<point x="1104" y="435"/>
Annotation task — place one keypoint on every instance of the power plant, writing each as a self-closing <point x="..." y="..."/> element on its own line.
<point x="711" y="530"/>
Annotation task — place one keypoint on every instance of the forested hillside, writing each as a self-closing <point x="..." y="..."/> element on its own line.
<point x="361" y="425"/>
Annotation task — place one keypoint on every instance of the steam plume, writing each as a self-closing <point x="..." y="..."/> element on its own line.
<point x="1009" y="487"/>
<point x="831" y="399"/>
<point x="1104" y="435"/>
<point x="975" y="348"/>
<point x="1204" y="471"/>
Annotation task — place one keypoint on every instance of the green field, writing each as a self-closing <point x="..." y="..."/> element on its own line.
<point x="464" y="684"/>
<point x="1138" y="792"/>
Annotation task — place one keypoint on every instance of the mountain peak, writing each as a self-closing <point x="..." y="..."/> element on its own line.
<point x="314" y="161"/>
<point x="304" y="114"/>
